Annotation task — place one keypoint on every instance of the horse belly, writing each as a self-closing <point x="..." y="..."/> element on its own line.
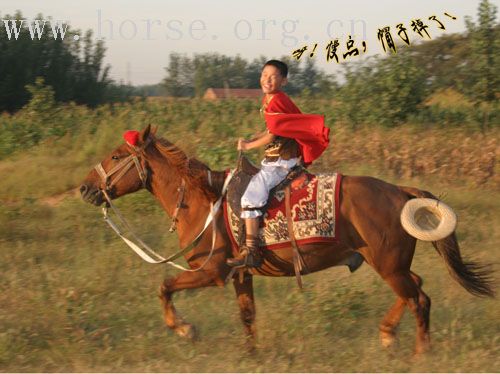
<point x="320" y="256"/>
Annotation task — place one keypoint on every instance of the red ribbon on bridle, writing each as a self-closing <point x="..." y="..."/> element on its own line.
<point x="131" y="137"/>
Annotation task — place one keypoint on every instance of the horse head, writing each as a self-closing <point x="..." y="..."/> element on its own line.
<point x="123" y="171"/>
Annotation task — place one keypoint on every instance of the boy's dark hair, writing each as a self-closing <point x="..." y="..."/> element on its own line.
<point x="281" y="66"/>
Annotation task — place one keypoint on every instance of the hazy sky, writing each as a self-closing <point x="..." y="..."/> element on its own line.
<point x="139" y="35"/>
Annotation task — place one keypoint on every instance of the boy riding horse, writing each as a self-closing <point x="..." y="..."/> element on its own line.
<point x="291" y="137"/>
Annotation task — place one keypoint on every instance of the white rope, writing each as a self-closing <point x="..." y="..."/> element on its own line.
<point x="160" y="259"/>
<point x="214" y="208"/>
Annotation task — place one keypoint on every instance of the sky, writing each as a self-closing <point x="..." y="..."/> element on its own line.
<point x="140" y="35"/>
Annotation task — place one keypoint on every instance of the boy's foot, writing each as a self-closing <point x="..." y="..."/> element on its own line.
<point x="247" y="257"/>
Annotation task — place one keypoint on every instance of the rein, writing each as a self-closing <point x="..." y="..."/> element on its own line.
<point x="153" y="257"/>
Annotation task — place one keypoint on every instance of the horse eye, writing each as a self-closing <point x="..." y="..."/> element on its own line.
<point x="115" y="157"/>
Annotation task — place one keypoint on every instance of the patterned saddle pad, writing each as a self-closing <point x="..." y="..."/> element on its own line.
<point x="314" y="208"/>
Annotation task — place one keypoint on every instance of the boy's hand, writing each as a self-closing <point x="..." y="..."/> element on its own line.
<point x="242" y="144"/>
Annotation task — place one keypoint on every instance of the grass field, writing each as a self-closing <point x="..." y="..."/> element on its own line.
<point x="74" y="298"/>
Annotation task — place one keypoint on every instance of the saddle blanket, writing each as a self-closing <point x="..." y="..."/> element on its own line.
<point x="314" y="207"/>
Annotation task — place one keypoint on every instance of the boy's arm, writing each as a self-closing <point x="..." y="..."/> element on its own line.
<point x="265" y="138"/>
<point x="258" y="135"/>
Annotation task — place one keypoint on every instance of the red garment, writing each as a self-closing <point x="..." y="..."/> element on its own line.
<point x="308" y="130"/>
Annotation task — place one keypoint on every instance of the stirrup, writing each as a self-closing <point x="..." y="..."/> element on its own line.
<point x="248" y="258"/>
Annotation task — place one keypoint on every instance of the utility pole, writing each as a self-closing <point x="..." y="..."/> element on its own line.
<point x="128" y="74"/>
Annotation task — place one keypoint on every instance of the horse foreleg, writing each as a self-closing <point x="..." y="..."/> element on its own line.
<point x="244" y="292"/>
<point x="183" y="281"/>
<point x="388" y="326"/>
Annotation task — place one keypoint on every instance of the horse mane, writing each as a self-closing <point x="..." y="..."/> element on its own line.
<point x="193" y="171"/>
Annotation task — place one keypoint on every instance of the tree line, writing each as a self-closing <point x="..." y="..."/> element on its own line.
<point x="191" y="76"/>
<point x="72" y="66"/>
<point x="387" y="90"/>
<point x="394" y="89"/>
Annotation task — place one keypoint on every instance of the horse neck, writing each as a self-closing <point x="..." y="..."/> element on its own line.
<point x="164" y="185"/>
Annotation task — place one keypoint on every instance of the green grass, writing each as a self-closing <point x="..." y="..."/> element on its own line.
<point x="74" y="298"/>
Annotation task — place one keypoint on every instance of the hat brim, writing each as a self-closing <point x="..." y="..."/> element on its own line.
<point x="428" y="219"/>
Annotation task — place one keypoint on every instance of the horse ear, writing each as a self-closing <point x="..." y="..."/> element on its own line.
<point x="145" y="133"/>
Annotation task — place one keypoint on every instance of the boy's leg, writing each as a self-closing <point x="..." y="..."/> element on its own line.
<point x="249" y="255"/>
<point x="255" y="197"/>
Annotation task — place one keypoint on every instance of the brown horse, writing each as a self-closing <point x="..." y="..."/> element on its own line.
<point x="369" y="224"/>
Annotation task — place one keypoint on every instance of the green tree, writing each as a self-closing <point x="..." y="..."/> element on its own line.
<point x="179" y="81"/>
<point x="42" y="98"/>
<point x="383" y="90"/>
<point x="216" y="70"/>
<point x="73" y="68"/>
<point x="483" y="78"/>
<point x="441" y="59"/>
<point x="253" y="71"/>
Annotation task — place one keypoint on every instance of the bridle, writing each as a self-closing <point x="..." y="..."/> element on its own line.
<point x="122" y="167"/>
<point x="152" y="257"/>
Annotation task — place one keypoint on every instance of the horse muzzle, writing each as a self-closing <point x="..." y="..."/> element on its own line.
<point x="92" y="195"/>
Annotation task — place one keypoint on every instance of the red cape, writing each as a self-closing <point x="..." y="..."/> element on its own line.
<point x="283" y="118"/>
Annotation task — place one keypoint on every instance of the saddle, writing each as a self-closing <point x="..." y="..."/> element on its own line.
<point x="314" y="201"/>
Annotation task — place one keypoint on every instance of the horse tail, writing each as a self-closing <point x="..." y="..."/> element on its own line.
<point x="474" y="277"/>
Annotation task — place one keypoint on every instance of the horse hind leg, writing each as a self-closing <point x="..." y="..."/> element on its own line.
<point x="390" y="322"/>
<point x="407" y="287"/>
<point x="186" y="280"/>
<point x="388" y="326"/>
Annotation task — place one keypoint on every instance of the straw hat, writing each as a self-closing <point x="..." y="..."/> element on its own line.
<point x="428" y="219"/>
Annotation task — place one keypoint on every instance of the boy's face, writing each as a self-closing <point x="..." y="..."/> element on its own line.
<point x="271" y="79"/>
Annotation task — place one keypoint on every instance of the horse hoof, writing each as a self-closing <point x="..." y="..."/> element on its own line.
<point x="420" y="350"/>
<point x="250" y="346"/>
<point x="186" y="331"/>
<point x="387" y="340"/>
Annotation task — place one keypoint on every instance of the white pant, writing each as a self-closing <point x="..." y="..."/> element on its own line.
<point x="269" y="176"/>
